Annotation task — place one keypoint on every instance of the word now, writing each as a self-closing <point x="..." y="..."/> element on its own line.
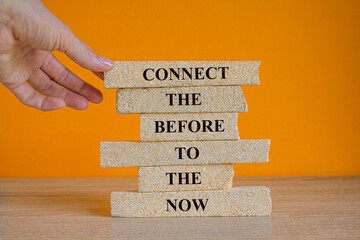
<point x="192" y="126"/>
<point x="196" y="73"/>
<point x="185" y="204"/>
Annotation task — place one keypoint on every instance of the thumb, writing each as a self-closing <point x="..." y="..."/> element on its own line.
<point x="81" y="53"/>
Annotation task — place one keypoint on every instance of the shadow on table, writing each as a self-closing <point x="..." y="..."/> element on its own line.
<point x="80" y="204"/>
<point x="199" y="227"/>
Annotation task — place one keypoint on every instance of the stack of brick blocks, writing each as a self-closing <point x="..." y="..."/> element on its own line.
<point x="189" y="139"/>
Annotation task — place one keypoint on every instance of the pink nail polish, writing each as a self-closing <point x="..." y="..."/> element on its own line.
<point x="106" y="62"/>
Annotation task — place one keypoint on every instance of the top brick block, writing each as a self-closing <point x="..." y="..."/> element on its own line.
<point x="140" y="74"/>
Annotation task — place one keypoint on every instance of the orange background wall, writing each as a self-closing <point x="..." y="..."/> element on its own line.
<point x="308" y="102"/>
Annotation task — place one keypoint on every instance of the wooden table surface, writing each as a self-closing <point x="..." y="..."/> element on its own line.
<point x="68" y="208"/>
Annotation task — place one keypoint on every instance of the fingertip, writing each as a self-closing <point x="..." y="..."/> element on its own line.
<point x="101" y="64"/>
<point x="81" y="105"/>
<point x="106" y="63"/>
<point x="98" y="64"/>
<point x="91" y="93"/>
<point x="83" y="55"/>
<point x="76" y="101"/>
<point x="96" y="97"/>
<point x="53" y="103"/>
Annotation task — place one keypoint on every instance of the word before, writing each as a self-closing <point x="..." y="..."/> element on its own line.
<point x="189" y="177"/>
<point x="185" y="204"/>
<point x="193" y="126"/>
<point x="184" y="99"/>
<point x="197" y="73"/>
<point x="188" y="152"/>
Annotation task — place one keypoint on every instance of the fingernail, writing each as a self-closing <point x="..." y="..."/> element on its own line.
<point x="106" y="62"/>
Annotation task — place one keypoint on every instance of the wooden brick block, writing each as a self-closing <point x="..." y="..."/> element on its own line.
<point x="151" y="154"/>
<point x="238" y="201"/>
<point x="139" y="74"/>
<point x="181" y="99"/>
<point x="188" y="126"/>
<point x="185" y="178"/>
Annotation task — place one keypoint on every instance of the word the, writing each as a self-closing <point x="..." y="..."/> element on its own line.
<point x="189" y="177"/>
<point x="197" y="73"/>
<point x="193" y="126"/>
<point x="184" y="99"/>
<point x="185" y="204"/>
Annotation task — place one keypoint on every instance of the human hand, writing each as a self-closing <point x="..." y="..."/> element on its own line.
<point x="28" y="35"/>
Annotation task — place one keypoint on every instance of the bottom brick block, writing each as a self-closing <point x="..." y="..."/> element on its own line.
<point x="238" y="201"/>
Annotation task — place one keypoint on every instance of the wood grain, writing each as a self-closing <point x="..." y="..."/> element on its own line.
<point x="68" y="208"/>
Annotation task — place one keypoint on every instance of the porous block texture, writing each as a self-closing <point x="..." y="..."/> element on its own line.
<point x="139" y="74"/>
<point x="188" y="126"/>
<point x="238" y="201"/>
<point x="181" y="100"/>
<point x="151" y="154"/>
<point x="185" y="178"/>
